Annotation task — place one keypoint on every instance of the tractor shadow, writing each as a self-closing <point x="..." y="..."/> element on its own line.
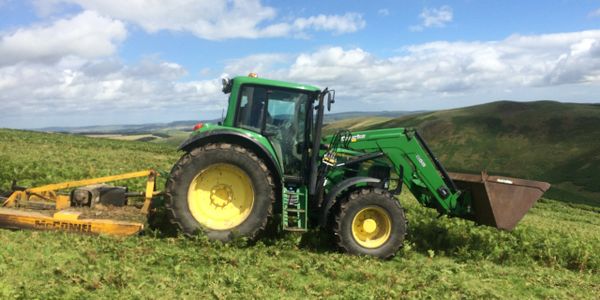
<point x="464" y="240"/>
<point x="423" y="236"/>
<point x="315" y="240"/>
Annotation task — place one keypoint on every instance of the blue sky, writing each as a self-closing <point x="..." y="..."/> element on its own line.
<point x="89" y="62"/>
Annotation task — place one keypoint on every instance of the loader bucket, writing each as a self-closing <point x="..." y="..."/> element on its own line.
<point x="499" y="201"/>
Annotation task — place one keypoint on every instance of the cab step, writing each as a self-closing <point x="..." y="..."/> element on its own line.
<point x="294" y="209"/>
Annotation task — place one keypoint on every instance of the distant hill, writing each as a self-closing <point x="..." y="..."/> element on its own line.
<point x="174" y="133"/>
<point x="126" y="129"/>
<point x="543" y="140"/>
<point x="187" y="125"/>
<point x="363" y="114"/>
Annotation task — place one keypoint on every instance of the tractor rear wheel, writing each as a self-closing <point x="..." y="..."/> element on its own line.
<point x="370" y="222"/>
<point x="221" y="189"/>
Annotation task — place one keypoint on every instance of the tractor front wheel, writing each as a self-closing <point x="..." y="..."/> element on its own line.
<point x="370" y="222"/>
<point x="221" y="189"/>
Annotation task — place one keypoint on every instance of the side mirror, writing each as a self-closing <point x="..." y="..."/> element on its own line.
<point x="330" y="99"/>
<point x="227" y="84"/>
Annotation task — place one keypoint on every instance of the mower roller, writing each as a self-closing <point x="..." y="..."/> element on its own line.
<point x="268" y="157"/>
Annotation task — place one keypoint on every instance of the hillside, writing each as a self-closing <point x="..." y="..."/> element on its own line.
<point x="551" y="254"/>
<point x="544" y="140"/>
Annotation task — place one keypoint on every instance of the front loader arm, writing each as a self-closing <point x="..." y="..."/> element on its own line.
<point x="415" y="165"/>
<point x="495" y="201"/>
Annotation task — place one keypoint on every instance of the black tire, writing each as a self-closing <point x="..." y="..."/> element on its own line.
<point x="355" y="203"/>
<point x="192" y="163"/>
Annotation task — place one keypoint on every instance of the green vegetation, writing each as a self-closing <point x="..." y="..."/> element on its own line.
<point x="547" y="141"/>
<point x="41" y="158"/>
<point x="553" y="253"/>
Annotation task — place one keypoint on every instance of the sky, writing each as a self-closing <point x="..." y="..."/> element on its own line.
<point x="100" y="62"/>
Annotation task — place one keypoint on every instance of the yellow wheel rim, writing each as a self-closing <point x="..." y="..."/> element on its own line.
<point x="371" y="227"/>
<point x="221" y="196"/>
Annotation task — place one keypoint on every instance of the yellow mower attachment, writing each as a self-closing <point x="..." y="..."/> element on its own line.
<point x="47" y="208"/>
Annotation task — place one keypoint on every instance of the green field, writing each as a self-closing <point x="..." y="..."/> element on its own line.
<point x="553" y="253"/>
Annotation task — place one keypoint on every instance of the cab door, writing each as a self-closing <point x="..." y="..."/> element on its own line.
<point x="280" y="115"/>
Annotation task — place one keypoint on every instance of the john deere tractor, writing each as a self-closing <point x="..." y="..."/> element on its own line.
<point x="268" y="157"/>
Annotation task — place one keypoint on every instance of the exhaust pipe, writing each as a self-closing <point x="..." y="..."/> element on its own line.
<point x="498" y="201"/>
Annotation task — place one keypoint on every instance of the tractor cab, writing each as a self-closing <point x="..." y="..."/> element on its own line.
<point x="280" y="115"/>
<point x="285" y="113"/>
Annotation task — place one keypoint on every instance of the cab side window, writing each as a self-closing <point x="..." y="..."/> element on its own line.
<point x="252" y="102"/>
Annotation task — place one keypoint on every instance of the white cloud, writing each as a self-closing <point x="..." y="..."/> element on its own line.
<point x="259" y="63"/>
<point x="213" y="19"/>
<point x="594" y="13"/>
<point x="536" y="63"/>
<point x="347" y="23"/>
<point x="68" y="67"/>
<point x="561" y="66"/>
<point x="74" y="86"/>
<point x="383" y="12"/>
<point x="434" y="17"/>
<point x="87" y="35"/>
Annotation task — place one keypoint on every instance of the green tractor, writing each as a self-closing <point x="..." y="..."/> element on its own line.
<point x="268" y="157"/>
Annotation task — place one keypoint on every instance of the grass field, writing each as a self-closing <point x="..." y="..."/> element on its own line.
<point x="553" y="253"/>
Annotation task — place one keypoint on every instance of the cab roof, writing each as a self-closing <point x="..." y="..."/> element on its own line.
<point x="277" y="83"/>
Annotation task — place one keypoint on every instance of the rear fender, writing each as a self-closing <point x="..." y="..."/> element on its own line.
<point x="238" y="138"/>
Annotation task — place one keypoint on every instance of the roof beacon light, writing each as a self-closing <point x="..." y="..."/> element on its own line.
<point x="253" y="75"/>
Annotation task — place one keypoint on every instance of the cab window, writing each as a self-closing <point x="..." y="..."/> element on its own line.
<point x="252" y="102"/>
<point x="283" y="112"/>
